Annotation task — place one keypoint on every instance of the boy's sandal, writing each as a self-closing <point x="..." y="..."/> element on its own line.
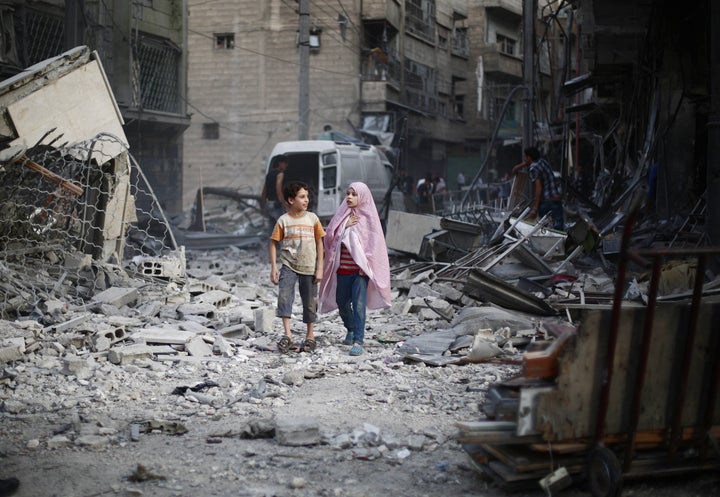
<point x="356" y="350"/>
<point x="284" y="344"/>
<point x="309" y="345"/>
<point x="348" y="338"/>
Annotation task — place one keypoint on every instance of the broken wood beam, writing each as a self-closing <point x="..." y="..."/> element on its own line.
<point x="55" y="178"/>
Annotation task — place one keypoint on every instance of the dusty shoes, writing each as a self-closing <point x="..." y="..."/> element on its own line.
<point x="348" y="338"/>
<point x="356" y="350"/>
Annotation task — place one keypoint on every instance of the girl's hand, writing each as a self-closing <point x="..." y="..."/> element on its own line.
<point x="352" y="220"/>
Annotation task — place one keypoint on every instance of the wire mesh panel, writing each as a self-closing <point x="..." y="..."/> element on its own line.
<point x="70" y="224"/>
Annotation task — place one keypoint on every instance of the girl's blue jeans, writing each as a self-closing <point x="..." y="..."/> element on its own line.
<point x="351" y="297"/>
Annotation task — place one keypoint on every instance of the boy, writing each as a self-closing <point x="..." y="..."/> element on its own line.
<point x="301" y="256"/>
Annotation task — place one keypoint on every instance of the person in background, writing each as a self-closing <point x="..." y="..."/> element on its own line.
<point x="301" y="259"/>
<point x="271" y="198"/>
<point x="461" y="181"/>
<point x="440" y="185"/>
<point x="546" y="190"/>
<point x="425" y="192"/>
<point x="357" y="268"/>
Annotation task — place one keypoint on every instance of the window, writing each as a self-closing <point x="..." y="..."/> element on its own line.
<point x="224" y="41"/>
<point x="505" y="44"/>
<point x="211" y="131"/>
<point x="159" y="64"/>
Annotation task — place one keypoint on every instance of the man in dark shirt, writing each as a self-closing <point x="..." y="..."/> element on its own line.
<point x="547" y="197"/>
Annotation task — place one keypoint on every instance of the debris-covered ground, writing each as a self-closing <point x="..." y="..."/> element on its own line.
<point x="228" y="415"/>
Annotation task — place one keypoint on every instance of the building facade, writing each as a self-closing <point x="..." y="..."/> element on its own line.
<point x="402" y="74"/>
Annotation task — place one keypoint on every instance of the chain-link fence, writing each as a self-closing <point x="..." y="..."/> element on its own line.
<point x="76" y="219"/>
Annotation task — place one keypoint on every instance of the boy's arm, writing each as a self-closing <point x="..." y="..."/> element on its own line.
<point x="274" y="272"/>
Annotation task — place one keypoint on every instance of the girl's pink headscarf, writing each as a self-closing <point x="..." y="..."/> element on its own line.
<point x="366" y="243"/>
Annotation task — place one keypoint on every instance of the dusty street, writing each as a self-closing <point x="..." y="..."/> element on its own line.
<point x="381" y="425"/>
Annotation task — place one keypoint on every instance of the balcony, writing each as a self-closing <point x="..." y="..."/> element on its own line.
<point x="389" y="10"/>
<point x="505" y="7"/>
<point x="495" y="61"/>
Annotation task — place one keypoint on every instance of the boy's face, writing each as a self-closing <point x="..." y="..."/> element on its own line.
<point x="301" y="201"/>
<point x="351" y="198"/>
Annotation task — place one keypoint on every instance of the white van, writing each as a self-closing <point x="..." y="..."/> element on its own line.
<point x="329" y="167"/>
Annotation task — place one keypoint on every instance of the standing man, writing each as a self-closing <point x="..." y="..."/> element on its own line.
<point x="272" y="199"/>
<point x="546" y="197"/>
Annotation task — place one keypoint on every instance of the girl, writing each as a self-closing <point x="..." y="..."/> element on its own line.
<point x="356" y="265"/>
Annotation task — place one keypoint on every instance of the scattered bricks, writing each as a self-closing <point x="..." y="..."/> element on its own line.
<point x="205" y="310"/>
<point x="129" y="353"/>
<point x="264" y="320"/>
<point x="218" y="298"/>
<point x="297" y="431"/>
<point x="117" y="296"/>
<point x="12" y="349"/>
<point x="197" y="347"/>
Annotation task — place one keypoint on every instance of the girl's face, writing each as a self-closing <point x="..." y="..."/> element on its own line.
<point x="351" y="198"/>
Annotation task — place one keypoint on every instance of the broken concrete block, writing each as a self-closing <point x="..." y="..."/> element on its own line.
<point x="448" y="292"/>
<point x="117" y="296"/>
<point x="218" y="298"/>
<point x="423" y="290"/>
<point x="78" y="261"/>
<point x="264" y="318"/>
<point x="297" y="431"/>
<point x="168" y="336"/>
<point x="205" y="310"/>
<point x="12" y="349"/>
<point x="556" y="481"/>
<point x="197" y="347"/>
<point x="222" y="347"/>
<point x="58" y="441"/>
<point x="239" y="331"/>
<point x="402" y="307"/>
<point x="129" y="353"/>
<point x="162" y="267"/>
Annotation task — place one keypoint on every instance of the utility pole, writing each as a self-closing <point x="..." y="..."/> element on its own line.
<point x="304" y="74"/>
<point x="529" y="13"/>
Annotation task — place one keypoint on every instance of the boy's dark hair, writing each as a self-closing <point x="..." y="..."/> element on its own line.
<point x="291" y="189"/>
<point x="533" y="153"/>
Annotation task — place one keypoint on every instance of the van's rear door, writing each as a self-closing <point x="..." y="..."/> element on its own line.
<point x="328" y="192"/>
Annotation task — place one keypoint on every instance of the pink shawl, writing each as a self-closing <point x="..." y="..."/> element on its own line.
<point x="366" y="243"/>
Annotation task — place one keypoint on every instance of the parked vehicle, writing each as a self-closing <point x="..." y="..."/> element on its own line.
<point x="329" y="167"/>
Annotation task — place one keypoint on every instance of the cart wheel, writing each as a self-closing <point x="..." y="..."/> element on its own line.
<point x="604" y="473"/>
